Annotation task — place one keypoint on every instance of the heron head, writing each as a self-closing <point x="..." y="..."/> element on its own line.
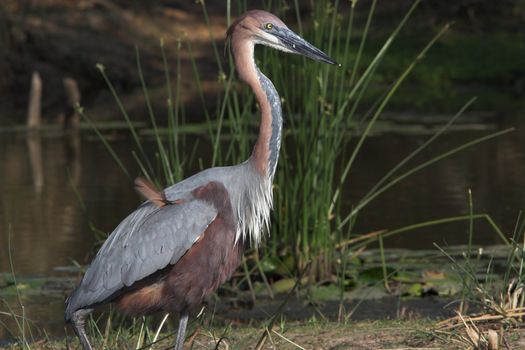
<point x="264" y="28"/>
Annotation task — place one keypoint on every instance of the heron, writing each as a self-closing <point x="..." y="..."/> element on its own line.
<point x="184" y="241"/>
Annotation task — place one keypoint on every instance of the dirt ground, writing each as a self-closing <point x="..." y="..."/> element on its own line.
<point x="389" y="334"/>
<point x="315" y="335"/>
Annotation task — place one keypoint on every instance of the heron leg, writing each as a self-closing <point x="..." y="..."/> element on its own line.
<point x="79" y="325"/>
<point x="181" y="334"/>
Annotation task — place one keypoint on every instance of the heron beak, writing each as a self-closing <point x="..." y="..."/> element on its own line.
<point x="296" y="44"/>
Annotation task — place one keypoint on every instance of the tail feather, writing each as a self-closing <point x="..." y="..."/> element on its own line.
<point x="150" y="192"/>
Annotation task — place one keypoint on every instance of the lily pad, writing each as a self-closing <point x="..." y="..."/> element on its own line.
<point x="26" y="286"/>
<point x="406" y="277"/>
<point x="374" y="274"/>
<point x="328" y="292"/>
<point x="283" y="286"/>
<point x="278" y="266"/>
<point x="269" y="264"/>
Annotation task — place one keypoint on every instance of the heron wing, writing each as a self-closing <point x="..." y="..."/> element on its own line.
<point x="148" y="240"/>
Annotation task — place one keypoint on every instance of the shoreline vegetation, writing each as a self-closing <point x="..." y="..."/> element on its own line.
<point x="318" y="256"/>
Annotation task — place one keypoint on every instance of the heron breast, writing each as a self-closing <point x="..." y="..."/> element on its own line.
<point x="205" y="266"/>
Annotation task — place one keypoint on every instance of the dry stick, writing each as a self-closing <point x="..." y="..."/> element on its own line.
<point x="222" y="339"/>
<point x="351" y="241"/>
<point x="492" y="338"/>
<point x="164" y="319"/>
<point x="191" y="338"/>
<point x="473" y="334"/>
<point x="288" y="340"/>
<point x="279" y="311"/>
<point x="148" y="346"/>
<point x="34" y="108"/>
<point x="71" y="117"/>
<point x="359" y="239"/>
<point x="453" y="322"/>
<point x="507" y="346"/>
<point x="270" y="338"/>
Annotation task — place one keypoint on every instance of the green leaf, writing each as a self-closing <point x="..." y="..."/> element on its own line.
<point x="414" y="290"/>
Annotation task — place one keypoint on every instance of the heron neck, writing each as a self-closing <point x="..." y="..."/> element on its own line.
<point x="265" y="153"/>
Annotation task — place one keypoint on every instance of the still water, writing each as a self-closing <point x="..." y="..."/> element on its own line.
<point x="53" y="186"/>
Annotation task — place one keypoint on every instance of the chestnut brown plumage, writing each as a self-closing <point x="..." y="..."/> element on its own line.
<point x="176" y="248"/>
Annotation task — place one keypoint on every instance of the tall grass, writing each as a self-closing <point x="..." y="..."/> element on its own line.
<point x="498" y="291"/>
<point x="23" y="325"/>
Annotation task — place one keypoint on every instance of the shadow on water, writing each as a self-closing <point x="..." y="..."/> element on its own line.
<point x="49" y="227"/>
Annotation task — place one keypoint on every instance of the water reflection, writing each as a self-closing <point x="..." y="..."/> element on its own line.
<point x="34" y="147"/>
<point x="71" y="142"/>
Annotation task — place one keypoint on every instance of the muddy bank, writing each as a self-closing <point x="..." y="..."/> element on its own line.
<point x="385" y="308"/>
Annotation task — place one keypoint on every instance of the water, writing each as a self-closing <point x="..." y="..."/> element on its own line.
<point x="493" y="171"/>
<point x="48" y="226"/>
<point x="39" y="206"/>
<point x="44" y="222"/>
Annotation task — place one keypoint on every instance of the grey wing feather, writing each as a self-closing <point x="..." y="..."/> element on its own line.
<point x="148" y="240"/>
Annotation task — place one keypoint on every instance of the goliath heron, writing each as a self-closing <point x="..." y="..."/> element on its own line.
<point x="183" y="242"/>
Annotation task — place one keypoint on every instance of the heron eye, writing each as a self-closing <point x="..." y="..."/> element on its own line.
<point x="269" y="26"/>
